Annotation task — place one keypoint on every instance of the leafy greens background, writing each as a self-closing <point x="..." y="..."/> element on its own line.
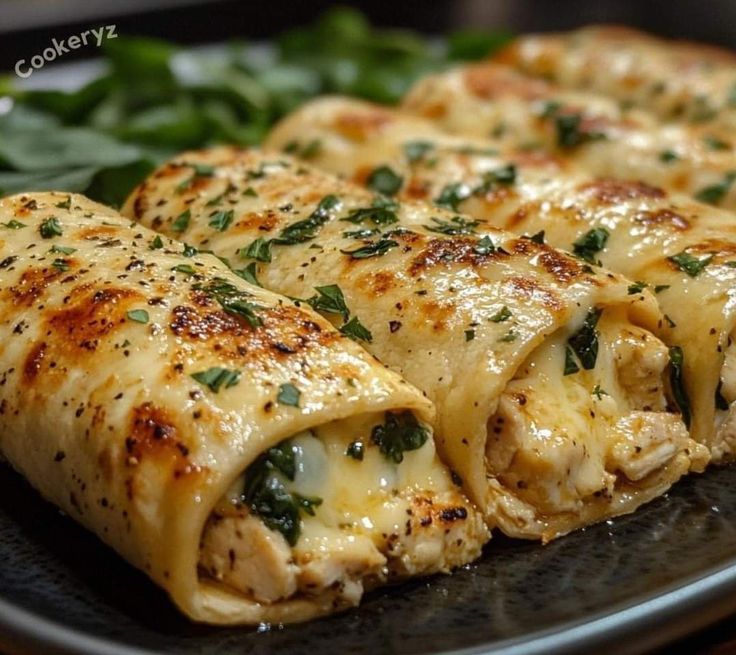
<point x="156" y="99"/>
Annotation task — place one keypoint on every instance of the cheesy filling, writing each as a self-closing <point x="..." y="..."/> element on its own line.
<point x="562" y="436"/>
<point x="371" y="503"/>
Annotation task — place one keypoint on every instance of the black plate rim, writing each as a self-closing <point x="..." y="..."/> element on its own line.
<point x="681" y="608"/>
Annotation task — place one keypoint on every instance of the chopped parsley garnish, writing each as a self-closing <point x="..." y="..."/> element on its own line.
<point x="485" y="246"/>
<point x="259" y="249"/>
<point x="569" y="133"/>
<point x="716" y="192"/>
<point x="375" y="249"/>
<point x="215" y="378"/>
<point x="50" y="228"/>
<point x="469" y="335"/>
<point x="509" y="337"/>
<point x="399" y="433"/>
<point x="503" y="314"/>
<point x="570" y="363"/>
<point x="455" y="226"/>
<point x="251" y="192"/>
<point x="376" y="215"/>
<point x="288" y="395"/>
<point x="221" y="220"/>
<point x="266" y="494"/>
<point x="156" y="243"/>
<point x="503" y="176"/>
<point x="61" y="265"/>
<point x="584" y="343"/>
<point x="637" y="287"/>
<point x="677" y="384"/>
<point x="306" y="229"/>
<point x="232" y="300"/>
<point x="189" y="251"/>
<point x="248" y="273"/>
<point x="598" y="392"/>
<point x="200" y="170"/>
<point x="305" y="152"/>
<point x="365" y="233"/>
<point x="355" y="450"/>
<point x="181" y="222"/>
<point x="187" y="269"/>
<point x="669" y="321"/>
<point x="65" y="204"/>
<point x="689" y="264"/>
<point x="64" y="250"/>
<point x="330" y="300"/>
<point x="452" y="195"/>
<point x="590" y="244"/>
<point x="356" y="330"/>
<point x="138" y="315"/>
<point x="661" y="287"/>
<point x="13" y="225"/>
<point x="384" y="180"/>
<point x="714" y="143"/>
<point x="538" y="237"/>
<point x="668" y="156"/>
<point x="415" y="150"/>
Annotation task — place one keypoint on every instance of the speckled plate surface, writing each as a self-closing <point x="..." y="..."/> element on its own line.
<point x="635" y="583"/>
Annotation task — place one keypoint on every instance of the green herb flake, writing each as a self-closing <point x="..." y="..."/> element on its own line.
<point x="401" y="432"/>
<point x="61" y="265"/>
<point x="714" y="143"/>
<point x="716" y="192"/>
<point x="669" y="321"/>
<point x="356" y="450"/>
<point x="469" y="335"/>
<point x="455" y="226"/>
<point x="538" y="237"/>
<point x="375" y="249"/>
<point x="63" y="250"/>
<point x="181" y="222"/>
<point x="503" y="314"/>
<point x="668" y="156"/>
<point x="156" y="243"/>
<point x="571" y="366"/>
<point x="216" y="378"/>
<point x="233" y="300"/>
<point x="50" y="228"/>
<point x="509" y="337"/>
<point x="416" y="150"/>
<point x="485" y="246"/>
<point x="384" y="180"/>
<point x="584" y="343"/>
<point x="598" y="392"/>
<point x="330" y="300"/>
<point x="376" y="215"/>
<point x="221" y="220"/>
<point x="14" y="225"/>
<point x="306" y="229"/>
<point x="356" y="330"/>
<point x="677" y="384"/>
<point x="288" y="395"/>
<point x="187" y="269"/>
<point x="65" y="204"/>
<point x="689" y="264"/>
<point x="260" y="249"/>
<point x="138" y="315"/>
<point x="637" y="287"/>
<point x="452" y="195"/>
<point x="661" y="287"/>
<point x="249" y="273"/>
<point x="590" y="244"/>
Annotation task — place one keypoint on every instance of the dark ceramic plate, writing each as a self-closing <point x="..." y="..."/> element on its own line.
<point x="630" y="584"/>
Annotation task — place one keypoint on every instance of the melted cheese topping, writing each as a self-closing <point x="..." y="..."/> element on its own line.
<point x="376" y="520"/>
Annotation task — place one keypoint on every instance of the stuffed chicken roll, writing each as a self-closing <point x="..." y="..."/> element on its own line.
<point x="681" y="250"/>
<point x="488" y="100"/>
<point x="549" y="385"/>
<point x="676" y="80"/>
<point x="254" y="462"/>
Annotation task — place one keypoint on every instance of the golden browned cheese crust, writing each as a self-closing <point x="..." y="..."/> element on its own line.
<point x="593" y="132"/>
<point x="106" y="328"/>
<point x="682" y="250"/>
<point x="455" y="313"/>
<point x="676" y="80"/>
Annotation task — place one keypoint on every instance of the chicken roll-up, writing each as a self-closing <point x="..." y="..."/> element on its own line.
<point x="682" y="250"/>
<point x="488" y="100"/>
<point x="254" y="462"/>
<point x="548" y="381"/>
